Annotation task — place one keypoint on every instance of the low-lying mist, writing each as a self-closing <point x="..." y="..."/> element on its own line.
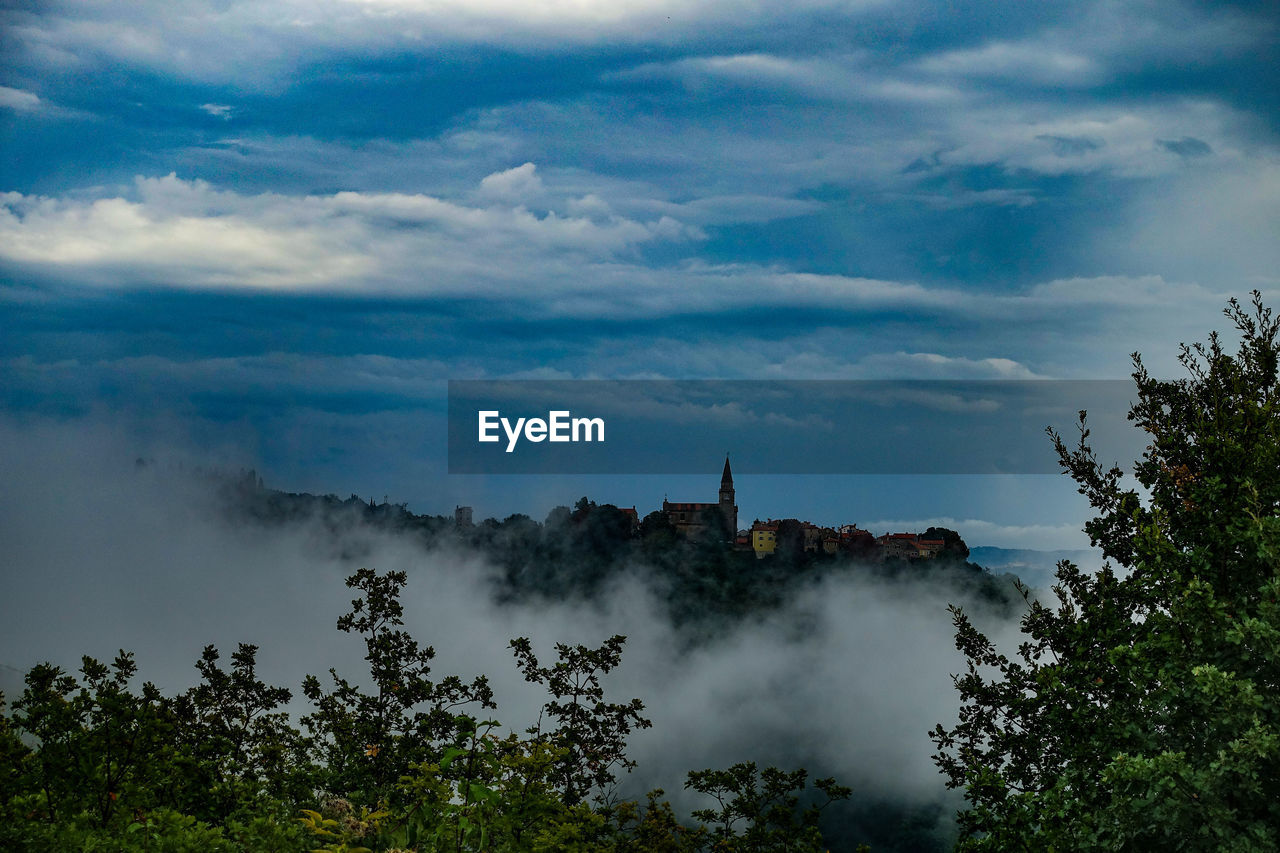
<point x="101" y="554"/>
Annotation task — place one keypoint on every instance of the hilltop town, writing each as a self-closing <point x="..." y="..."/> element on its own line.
<point x="693" y="555"/>
<point x="765" y="538"/>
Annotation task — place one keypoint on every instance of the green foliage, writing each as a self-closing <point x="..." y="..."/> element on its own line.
<point x="14" y="755"/>
<point x="113" y="769"/>
<point x="369" y="740"/>
<point x="100" y="744"/>
<point x="236" y="748"/>
<point x="657" y="532"/>
<point x="158" y="831"/>
<point x="652" y="828"/>
<point x="345" y="832"/>
<point x="219" y="768"/>
<point x="1142" y="711"/>
<point x="767" y="805"/>
<point x="590" y="732"/>
<point x="953" y="547"/>
<point x="487" y="793"/>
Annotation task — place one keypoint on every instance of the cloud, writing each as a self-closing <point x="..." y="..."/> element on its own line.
<point x="28" y="104"/>
<point x="506" y="261"/>
<point x="19" y="100"/>
<point x="186" y="233"/>
<point x="274" y="40"/>
<point x="1071" y="146"/>
<point x="222" y="111"/>
<point x="1187" y="146"/>
<point x="977" y="531"/>
<point x="519" y="184"/>
<point x="928" y="365"/>
<point x="1115" y="291"/>
<point x="1217" y="226"/>
<point x="118" y="241"/>
<point x="1119" y="140"/>
<point x="583" y="20"/>
<point x="832" y="78"/>
<point x="959" y="199"/>
<point x="399" y="382"/>
<point x="898" y="150"/>
<point x="1022" y="62"/>
<point x="734" y="209"/>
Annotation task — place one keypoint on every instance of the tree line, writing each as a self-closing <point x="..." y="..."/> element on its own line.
<point x="405" y="760"/>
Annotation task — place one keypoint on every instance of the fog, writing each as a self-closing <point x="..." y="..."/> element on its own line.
<point x="101" y="554"/>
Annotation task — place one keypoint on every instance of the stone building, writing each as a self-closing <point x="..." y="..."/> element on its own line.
<point x="687" y="517"/>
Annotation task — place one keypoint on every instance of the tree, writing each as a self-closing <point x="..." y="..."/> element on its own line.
<point x="657" y="526"/>
<point x="1142" y="710"/>
<point x="590" y="732"/>
<point x="790" y="545"/>
<point x="602" y="533"/>
<point x="100" y="744"/>
<point x="953" y="546"/>
<point x="232" y="724"/>
<point x="486" y="793"/>
<point x="370" y="739"/>
<point x="714" y="531"/>
<point x="760" y="811"/>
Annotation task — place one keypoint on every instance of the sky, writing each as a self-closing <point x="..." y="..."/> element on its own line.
<point x="266" y="233"/>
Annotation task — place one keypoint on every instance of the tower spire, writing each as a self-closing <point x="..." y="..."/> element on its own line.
<point x="727" y="504"/>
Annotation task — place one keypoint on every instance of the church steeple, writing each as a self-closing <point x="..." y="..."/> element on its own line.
<point x="726" y="497"/>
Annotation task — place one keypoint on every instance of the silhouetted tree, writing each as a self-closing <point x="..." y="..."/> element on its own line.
<point x="1140" y="712"/>
<point x="591" y="731"/>
<point x="370" y="738"/>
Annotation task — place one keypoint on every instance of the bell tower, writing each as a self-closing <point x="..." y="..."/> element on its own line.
<point x="727" y="506"/>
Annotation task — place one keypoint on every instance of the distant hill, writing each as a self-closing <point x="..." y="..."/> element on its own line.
<point x="1036" y="568"/>
<point x="579" y="552"/>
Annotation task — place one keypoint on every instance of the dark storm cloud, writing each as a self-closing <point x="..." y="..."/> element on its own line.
<point x="1025" y="118"/>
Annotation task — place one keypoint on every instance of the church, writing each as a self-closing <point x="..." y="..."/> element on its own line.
<point x="687" y="517"/>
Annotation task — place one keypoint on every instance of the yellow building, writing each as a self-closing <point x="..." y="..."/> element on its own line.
<point x="764" y="538"/>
